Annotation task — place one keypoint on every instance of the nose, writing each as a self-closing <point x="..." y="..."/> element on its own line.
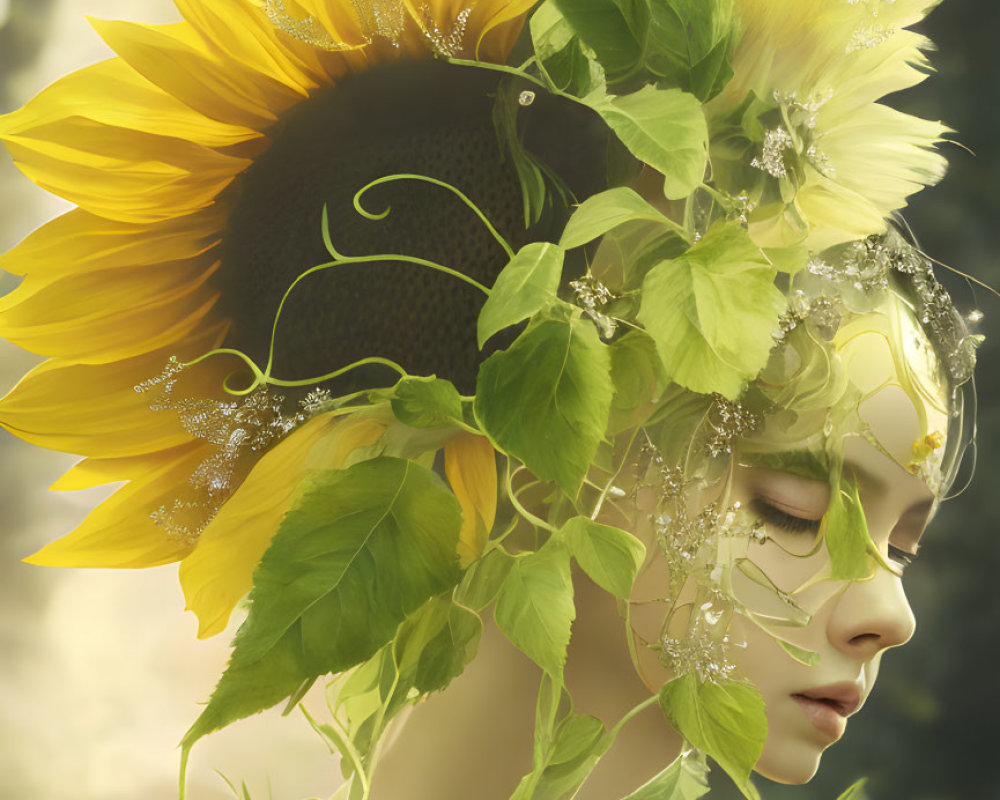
<point x="871" y="616"/>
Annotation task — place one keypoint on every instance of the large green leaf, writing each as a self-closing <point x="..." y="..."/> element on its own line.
<point x="712" y="311"/>
<point x="685" y="779"/>
<point x="610" y="556"/>
<point x="724" y="719"/>
<point x="363" y="548"/>
<point x="689" y="44"/>
<point x="546" y="399"/>
<point x="527" y="284"/>
<point x="579" y="743"/>
<point x="535" y="607"/>
<point x="609" y="28"/>
<point x="426" y="402"/>
<point x="561" y="53"/>
<point x="845" y="532"/>
<point x="664" y="128"/>
<point x="606" y="211"/>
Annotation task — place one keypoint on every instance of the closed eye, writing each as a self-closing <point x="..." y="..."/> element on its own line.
<point x="782" y="519"/>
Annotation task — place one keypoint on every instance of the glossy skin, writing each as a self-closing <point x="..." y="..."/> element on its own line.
<point x="852" y="623"/>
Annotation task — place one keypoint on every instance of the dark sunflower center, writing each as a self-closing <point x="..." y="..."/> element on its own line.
<point x="425" y="118"/>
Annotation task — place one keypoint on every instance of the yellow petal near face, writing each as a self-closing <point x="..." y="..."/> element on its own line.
<point x="120" y="532"/>
<point x="220" y="570"/>
<point x="470" y="466"/>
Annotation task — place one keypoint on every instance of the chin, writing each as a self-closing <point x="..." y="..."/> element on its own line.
<point x="789" y="761"/>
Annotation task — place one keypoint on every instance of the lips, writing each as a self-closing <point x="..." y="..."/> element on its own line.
<point x="844" y="698"/>
<point x="828" y="707"/>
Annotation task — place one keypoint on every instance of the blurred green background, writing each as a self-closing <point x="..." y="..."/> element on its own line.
<point x="92" y="711"/>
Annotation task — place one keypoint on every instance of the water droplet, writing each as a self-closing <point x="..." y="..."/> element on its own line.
<point x="526" y="98"/>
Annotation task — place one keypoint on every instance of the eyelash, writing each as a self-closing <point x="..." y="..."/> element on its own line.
<point x="782" y="519"/>
<point x="789" y="522"/>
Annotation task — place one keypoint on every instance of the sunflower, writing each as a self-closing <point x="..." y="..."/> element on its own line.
<point x="147" y="145"/>
<point x="822" y="160"/>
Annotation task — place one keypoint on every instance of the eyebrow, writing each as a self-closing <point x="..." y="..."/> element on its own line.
<point x="803" y="462"/>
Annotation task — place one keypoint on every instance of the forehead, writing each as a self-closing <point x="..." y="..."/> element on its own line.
<point x="884" y="387"/>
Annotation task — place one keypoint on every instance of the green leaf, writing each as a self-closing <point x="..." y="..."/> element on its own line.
<point x="664" y="128"/>
<point x="545" y="400"/>
<point x="638" y="379"/>
<point x="579" y="743"/>
<point x="610" y="556"/>
<point x="856" y="791"/>
<point x="689" y="44"/>
<point x="527" y="284"/>
<point x="426" y="403"/>
<point x="363" y="548"/>
<point x="561" y="53"/>
<point x="608" y="28"/>
<point x="845" y="531"/>
<point x="434" y="645"/>
<point x="606" y="211"/>
<point x="685" y="779"/>
<point x="484" y="578"/>
<point x="712" y="311"/>
<point x="808" y="657"/>
<point x="725" y="719"/>
<point x="535" y="607"/>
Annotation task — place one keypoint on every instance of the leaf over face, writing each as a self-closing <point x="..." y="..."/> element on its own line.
<point x="664" y="128"/>
<point x="711" y="312"/>
<point x="527" y="284"/>
<point x="545" y="400"/>
<point x="610" y="556"/>
<point x="726" y="720"/>
<point x="535" y="607"/>
<point x="845" y="532"/>
<point x="363" y="548"/>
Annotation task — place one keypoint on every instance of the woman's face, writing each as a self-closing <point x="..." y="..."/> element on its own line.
<point x="851" y="623"/>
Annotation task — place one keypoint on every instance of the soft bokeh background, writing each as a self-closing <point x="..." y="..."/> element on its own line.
<point x="100" y="671"/>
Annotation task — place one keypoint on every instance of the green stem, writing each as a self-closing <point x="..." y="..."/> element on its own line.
<point x="345" y="747"/>
<point x="538" y="522"/>
<point x="435" y="182"/>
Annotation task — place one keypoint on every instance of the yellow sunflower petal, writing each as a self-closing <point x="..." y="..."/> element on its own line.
<point x="112" y="93"/>
<point x="470" y="466"/>
<point x="119" y="182"/>
<point x="498" y="23"/>
<point x="175" y="59"/>
<point x="120" y="532"/>
<point x="238" y="31"/>
<point x="80" y="241"/>
<point x="93" y="410"/>
<point x="338" y="18"/>
<point x="91" y="472"/>
<point x="220" y="570"/>
<point x="61" y="318"/>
